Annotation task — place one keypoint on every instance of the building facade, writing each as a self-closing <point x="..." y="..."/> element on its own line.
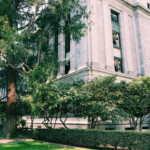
<point x="118" y="42"/>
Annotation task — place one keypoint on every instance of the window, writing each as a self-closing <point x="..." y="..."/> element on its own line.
<point x="67" y="35"/>
<point x="115" y="29"/>
<point x="67" y="67"/>
<point x="148" y="5"/>
<point x="116" y="39"/>
<point x="118" y="64"/>
<point x="67" y="43"/>
<point x="114" y="17"/>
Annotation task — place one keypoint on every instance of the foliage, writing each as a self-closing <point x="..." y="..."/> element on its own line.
<point x="46" y="102"/>
<point x="52" y="106"/>
<point x="94" y="138"/>
<point x="100" y="105"/>
<point x="22" y="123"/>
<point x="100" y="100"/>
<point x="43" y="91"/>
<point x="95" y="100"/>
<point x="70" y="99"/>
<point x="25" y="35"/>
<point x="135" y="100"/>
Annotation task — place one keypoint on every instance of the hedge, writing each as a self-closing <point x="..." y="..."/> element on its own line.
<point x="94" y="138"/>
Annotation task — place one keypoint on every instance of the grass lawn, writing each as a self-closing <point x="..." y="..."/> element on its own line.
<point x="34" y="145"/>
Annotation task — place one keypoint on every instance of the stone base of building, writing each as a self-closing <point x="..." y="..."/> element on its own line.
<point x="81" y="123"/>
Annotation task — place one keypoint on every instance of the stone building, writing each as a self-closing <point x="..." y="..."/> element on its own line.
<point x="118" y="42"/>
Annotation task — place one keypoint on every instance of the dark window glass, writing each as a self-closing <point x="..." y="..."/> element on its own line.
<point x="148" y="5"/>
<point x="67" y="43"/>
<point x="118" y="64"/>
<point x="114" y="17"/>
<point x="67" y="67"/>
<point x="116" y="39"/>
<point x="67" y="35"/>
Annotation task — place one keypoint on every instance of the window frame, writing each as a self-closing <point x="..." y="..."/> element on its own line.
<point x="114" y="46"/>
<point x="118" y="16"/>
<point x="121" y="61"/>
<point x="148" y="5"/>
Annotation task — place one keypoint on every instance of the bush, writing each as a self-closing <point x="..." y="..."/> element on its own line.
<point x="93" y="138"/>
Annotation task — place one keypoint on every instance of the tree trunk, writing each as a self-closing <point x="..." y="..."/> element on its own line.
<point x="10" y="128"/>
<point x="32" y="121"/>
<point x="133" y="123"/>
<point x="140" y="126"/>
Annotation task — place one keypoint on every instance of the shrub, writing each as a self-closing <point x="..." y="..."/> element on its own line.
<point x="93" y="138"/>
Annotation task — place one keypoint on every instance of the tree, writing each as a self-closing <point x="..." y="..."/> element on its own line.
<point x="9" y="50"/>
<point x="27" y="108"/>
<point x="100" y="105"/>
<point x="70" y="99"/>
<point x="24" y="35"/>
<point x="46" y="102"/>
<point x="135" y="100"/>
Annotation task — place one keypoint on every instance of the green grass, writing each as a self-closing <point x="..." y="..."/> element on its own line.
<point x="34" y="145"/>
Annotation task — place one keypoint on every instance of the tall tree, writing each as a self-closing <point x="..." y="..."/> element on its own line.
<point x="26" y="26"/>
<point x="10" y="17"/>
<point x="135" y="100"/>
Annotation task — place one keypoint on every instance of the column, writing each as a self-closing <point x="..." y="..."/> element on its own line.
<point x="61" y="55"/>
<point x="108" y="37"/>
<point x="72" y="56"/>
<point x="128" y="43"/>
<point x="81" y="57"/>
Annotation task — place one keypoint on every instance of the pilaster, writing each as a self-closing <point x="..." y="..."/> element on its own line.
<point x="108" y="37"/>
<point x="61" y="55"/>
<point x="72" y="56"/>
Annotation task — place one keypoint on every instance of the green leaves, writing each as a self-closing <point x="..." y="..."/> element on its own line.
<point x="134" y="99"/>
<point x="94" y="138"/>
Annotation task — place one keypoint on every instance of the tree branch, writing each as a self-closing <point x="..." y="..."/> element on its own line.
<point x="34" y="17"/>
<point x="36" y="31"/>
<point x="25" y="64"/>
<point x="39" y="53"/>
<point x="2" y="53"/>
<point x="18" y="67"/>
<point x="21" y="66"/>
<point x="3" y="98"/>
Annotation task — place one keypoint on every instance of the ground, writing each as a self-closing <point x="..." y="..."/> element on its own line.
<point x="30" y="144"/>
<point x="36" y="145"/>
